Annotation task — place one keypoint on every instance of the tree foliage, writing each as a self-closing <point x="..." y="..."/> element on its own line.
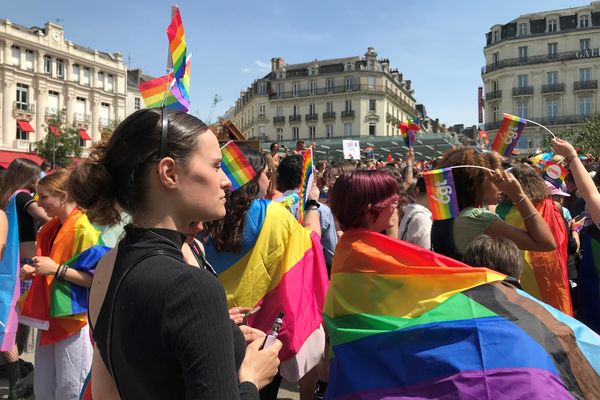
<point x="587" y="137"/>
<point x="58" y="149"/>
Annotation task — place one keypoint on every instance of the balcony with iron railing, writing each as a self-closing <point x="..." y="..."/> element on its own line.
<point x="531" y="60"/>
<point x="553" y="88"/>
<point x="261" y="118"/>
<point x="295" y="118"/>
<point x="556" y="120"/>
<point x="104" y="122"/>
<point x="311" y="117"/>
<point x="585" y="85"/>
<point x="25" y="108"/>
<point x="81" y="118"/>
<point x="522" y="91"/>
<point x="279" y="120"/>
<point x="328" y="116"/>
<point x="493" y="95"/>
<point x="52" y="111"/>
<point x="348" y="114"/>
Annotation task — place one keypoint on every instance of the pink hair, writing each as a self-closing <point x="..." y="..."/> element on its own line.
<point x="360" y="195"/>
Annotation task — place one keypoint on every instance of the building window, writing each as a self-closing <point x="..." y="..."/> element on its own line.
<point x="585" y="74"/>
<point x="52" y="105"/>
<point x="312" y="87"/>
<point x="371" y="130"/>
<point x="348" y="83"/>
<point x="371" y="82"/>
<point x="261" y="132"/>
<point x="523" y="53"/>
<point x="495" y="114"/>
<point x="348" y="67"/>
<point x="86" y="76"/>
<point x="329" y="130"/>
<point x="279" y="111"/>
<point x="552" y="50"/>
<point x="29" y="60"/>
<point x="279" y="133"/>
<point x="329" y="86"/>
<point x="552" y="77"/>
<point x="279" y="90"/>
<point x="15" y="53"/>
<point x="585" y="105"/>
<point x="494" y="86"/>
<point x="75" y="73"/>
<point x="496" y="36"/>
<point x="295" y="133"/>
<point x="584" y="44"/>
<point x="60" y="68"/>
<point x="138" y="104"/>
<point x="523" y="109"/>
<point x="296" y="89"/>
<point x="262" y="110"/>
<point x="22" y="96"/>
<point x="372" y="104"/>
<point x="296" y="109"/>
<point x="100" y="82"/>
<point x="348" y="129"/>
<point x="522" y="80"/>
<point x="523" y="29"/>
<point x="262" y="88"/>
<point x="48" y="65"/>
<point x="552" y="109"/>
<point x="329" y="107"/>
<point x="104" y="113"/>
<point x="552" y="25"/>
<point x="312" y="109"/>
<point x="109" y="83"/>
<point x="348" y="105"/>
<point x="21" y="134"/>
<point x="584" y="21"/>
<point x="495" y="58"/>
<point x="312" y="132"/>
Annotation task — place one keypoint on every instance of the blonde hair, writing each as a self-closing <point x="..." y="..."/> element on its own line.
<point x="57" y="182"/>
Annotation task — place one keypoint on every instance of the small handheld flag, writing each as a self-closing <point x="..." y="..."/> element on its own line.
<point x="306" y="182"/>
<point x="441" y="192"/>
<point x="408" y="130"/>
<point x="554" y="173"/>
<point x="542" y="158"/>
<point x="508" y="134"/>
<point x="236" y="166"/>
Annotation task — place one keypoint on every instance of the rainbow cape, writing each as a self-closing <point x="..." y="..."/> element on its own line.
<point x="9" y="278"/>
<point x="409" y="323"/>
<point x="508" y="134"/>
<point x="589" y="279"/>
<point x="35" y="307"/>
<point x="236" y="166"/>
<point x="544" y="273"/>
<point x="281" y="268"/>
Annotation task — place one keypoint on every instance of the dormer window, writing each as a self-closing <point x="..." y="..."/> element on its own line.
<point x="313" y="71"/>
<point x="552" y="25"/>
<point x="348" y="67"/>
<point x="523" y="29"/>
<point x="584" y="21"/>
<point x="496" y="36"/>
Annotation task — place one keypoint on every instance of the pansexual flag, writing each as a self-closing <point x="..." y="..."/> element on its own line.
<point x="508" y="134"/>
<point x="441" y="192"/>
<point x="306" y="182"/>
<point x="236" y="166"/>
<point x="280" y="268"/>
<point x="408" y="323"/>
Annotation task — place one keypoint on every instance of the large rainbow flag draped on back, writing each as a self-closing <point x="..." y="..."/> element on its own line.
<point x="280" y="268"/>
<point x="544" y="273"/>
<point x="9" y="279"/>
<point x="45" y="306"/>
<point x="409" y="323"/>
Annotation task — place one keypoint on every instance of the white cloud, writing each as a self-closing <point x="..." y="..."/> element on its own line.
<point x="263" y="66"/>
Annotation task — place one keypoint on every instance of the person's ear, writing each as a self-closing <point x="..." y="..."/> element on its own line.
<point x="167" y="172"/>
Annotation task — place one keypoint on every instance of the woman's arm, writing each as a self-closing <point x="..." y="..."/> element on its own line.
<point x="312" y="219"/>
<point x="103" y="384"/>
<point x="585" y="184"/>
<point x="410" y="161"/>
<point x="3" y="233"/>
<point x="47" y="266"/>
<point x="37" y="212"/>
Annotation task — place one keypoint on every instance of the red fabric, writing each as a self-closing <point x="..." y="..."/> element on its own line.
<point x="55" y="131"/>
<point x="414" y="127"/>
<point x="84" y="135"/>
<point x="403" y="127"/>
<point x="25" y="126"/>
<point x="6" y="157"/>
<point x="390" y="159"/>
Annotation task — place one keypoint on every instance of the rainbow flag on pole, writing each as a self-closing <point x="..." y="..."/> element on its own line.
<point x="441" y="192"/>
<point x="236" y="166"/>
<point x="177" y="44"/>
<point x="508" y="134"/>
<point x="280" y="268"/>
<point x="406" y="323"/>
<point x="306" y="182"/>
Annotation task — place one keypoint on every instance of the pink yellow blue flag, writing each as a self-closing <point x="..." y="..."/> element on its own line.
<point x="441" y="193"/>
<point x="508" y="134"/>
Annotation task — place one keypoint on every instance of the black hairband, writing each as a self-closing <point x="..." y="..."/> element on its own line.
<point x="163" y="133"/>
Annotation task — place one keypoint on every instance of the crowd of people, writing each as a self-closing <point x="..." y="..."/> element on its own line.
<point x="181" y="305"/>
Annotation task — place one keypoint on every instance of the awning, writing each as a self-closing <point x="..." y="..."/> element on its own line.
<point x="6" y="157"/>
<point x="84" y="135"/>
<point x="55" y="131"/>
<point x="25" y="126"/>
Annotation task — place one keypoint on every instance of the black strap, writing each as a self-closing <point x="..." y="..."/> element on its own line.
<point x="407" y="225"/>
<point x="111" y="308"/>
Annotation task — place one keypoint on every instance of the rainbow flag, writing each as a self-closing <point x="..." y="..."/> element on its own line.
<point x="544" y="273"/>
<point x="589" y="279"/>
<point x="441" y="192"/>
<point x="542" y="158"/>
<point x="71" y="238"/>
<point x="408" y="323"/>
<point x="236" y="166"/>
<point x="280" y="268"/>
<point x="554" y="173"/>
<point x="409" y="130"/>
<point x="508" y="134"/>
<point x="9" y="278"/>
<point x="177" y="92"/>
<point x="177" y="44"/>
<point x="306" y="182"/>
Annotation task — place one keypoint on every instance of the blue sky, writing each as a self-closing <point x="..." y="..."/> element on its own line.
<point x="438" y="44"/>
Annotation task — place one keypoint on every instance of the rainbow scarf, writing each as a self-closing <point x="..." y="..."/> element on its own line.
<point x="63" y="244"/>
<point x="589" y="279"/>
<point x="508" y="135"/>
<point x="236" y="166"/>
<point x="544" y="273"/>
<point x="9" y="279"/>
<point x="280" y="268"/>
<point x="409" y="323"/>
<point x="441" y="193"/>
<point x="305" y="182"/>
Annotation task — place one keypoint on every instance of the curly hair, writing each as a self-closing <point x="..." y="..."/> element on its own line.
<point x="532" y="183"/>
<point x="469" y="181"/>
<point x="228" y="232"/>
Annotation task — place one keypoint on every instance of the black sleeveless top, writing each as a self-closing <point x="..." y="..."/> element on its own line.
<point x="171" y="333"/>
